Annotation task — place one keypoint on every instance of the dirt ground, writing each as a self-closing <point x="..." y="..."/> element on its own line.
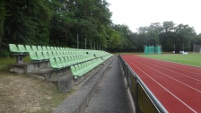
<point x="25" y="94"/>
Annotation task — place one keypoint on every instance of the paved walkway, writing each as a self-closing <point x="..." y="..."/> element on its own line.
<point x="111" y="95"/>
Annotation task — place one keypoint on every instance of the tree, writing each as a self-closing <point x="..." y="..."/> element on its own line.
<point x="93" y="18"/>
<point x="142" y="29"/>
<point x="114" y="41"/>
<point x="156" y="27"/>
<point x="2" y="18"/>
<point x="62" y="22"/>
<point x="27" y="22"/>
<point x="185" y="35"/>
<point x="152" y="37"/>
<point x="90" y="19"/>
<point x="167" y="40"/>
<point x="126" y="35"/>
<point x="168" y="26"/>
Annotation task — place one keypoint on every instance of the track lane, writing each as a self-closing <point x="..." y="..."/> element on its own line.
<point x="171" y="103"/>
<point x="190" y="70"/>
<point x="171" y="88"/>
<point x="177" y="74"/>
<point x="180" y="87"/>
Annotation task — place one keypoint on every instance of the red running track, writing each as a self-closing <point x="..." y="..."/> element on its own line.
<point x="176" y="86"/>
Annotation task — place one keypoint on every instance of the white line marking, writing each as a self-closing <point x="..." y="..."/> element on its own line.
<point x="172" y="78"/>
<point x="176" y="72"/>
<point x="164" y="88"/>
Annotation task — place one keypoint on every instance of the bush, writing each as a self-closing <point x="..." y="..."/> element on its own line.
<point x="4" y="53"/>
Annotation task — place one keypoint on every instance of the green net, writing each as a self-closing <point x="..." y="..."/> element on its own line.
<point x="152" y="49"/>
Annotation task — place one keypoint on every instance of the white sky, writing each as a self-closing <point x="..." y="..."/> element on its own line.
<point x="138" y="13"/>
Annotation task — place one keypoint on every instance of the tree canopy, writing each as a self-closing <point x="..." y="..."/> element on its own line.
<point x="60" y="22"/>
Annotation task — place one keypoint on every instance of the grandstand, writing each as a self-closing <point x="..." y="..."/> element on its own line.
<point x="67" y="66"/>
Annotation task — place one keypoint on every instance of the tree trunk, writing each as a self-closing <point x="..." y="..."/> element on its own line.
<point x="2" y="18"/>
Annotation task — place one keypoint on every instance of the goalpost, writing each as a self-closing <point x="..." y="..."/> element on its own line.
<point x="197" y="49"/>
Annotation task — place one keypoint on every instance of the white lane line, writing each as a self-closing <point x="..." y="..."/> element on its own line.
<point x="197" y="68"/>
<point x="172" y="78"/>
<point x="164" y="88"/>
<point x="174" y="71"/>
<point x="183" y="66"/>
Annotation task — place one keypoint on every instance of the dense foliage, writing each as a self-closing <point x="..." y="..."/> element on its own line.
<point x="62" y="22"/>
<point x="169" y="35"/>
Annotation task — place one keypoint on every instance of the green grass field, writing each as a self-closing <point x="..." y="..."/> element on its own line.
<point x="190" y="59"/>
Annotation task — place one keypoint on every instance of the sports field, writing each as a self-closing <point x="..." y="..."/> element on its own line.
<point x="189" y="59"/>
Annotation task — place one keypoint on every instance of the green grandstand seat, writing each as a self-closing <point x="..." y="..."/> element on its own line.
<point x="65" y="53"/>
<point x="78" y="70"/>
<point x="59" y="49"/>
<point x="40" y="55"/>
<point x="50" y="54"/>
<point x="74" y="71"/>
<point x="59" y="63"/>
<point x="44" y="48"/>
<point x="63" y="61"/>
<point x="62" y="49"/>
<point x="45" y="55"/>
<point x="18" y="52"/>
<point x="70" y="60"/>
<point x="28" y="48"/>
<point x="76" y="59"/>
<point x="48" y="48"/>
<point x="85" y="67"/>
<point x="34" y="48"/>
<point x="81" y="69"/>
<point x="67" y="61"/>
<point x="67" y="49"/>
<point x="55" y="54"/>
<point x="92" y="64"/>
<point x="52" y="48"/>
<point x="60" y="53"/>
<point x="14" y="48"/>
<point x="22" y="48"/>
<point x="34" y="56"/>
<point x="54" y="64"/>
<point x="39" y="48"/>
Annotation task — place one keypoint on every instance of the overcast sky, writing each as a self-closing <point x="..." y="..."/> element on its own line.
<point x="138" y="13"/>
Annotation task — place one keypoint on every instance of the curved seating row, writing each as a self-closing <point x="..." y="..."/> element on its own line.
<point x="47" y="55"/>
<point x="62" y="62"/>
<point x="27" y="48"/>
<point x="82" y="68"/>
<point x="80" y="61"/>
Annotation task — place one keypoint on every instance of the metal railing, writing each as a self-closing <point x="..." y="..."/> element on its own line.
<point x="144" y="99"/>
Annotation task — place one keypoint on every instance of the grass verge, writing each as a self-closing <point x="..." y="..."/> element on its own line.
<point x="24" y="94"/>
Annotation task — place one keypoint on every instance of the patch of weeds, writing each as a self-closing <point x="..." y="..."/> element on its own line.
<point x="5" y="62"/>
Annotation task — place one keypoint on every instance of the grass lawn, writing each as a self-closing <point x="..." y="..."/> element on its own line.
<point x="190" y="59"/>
